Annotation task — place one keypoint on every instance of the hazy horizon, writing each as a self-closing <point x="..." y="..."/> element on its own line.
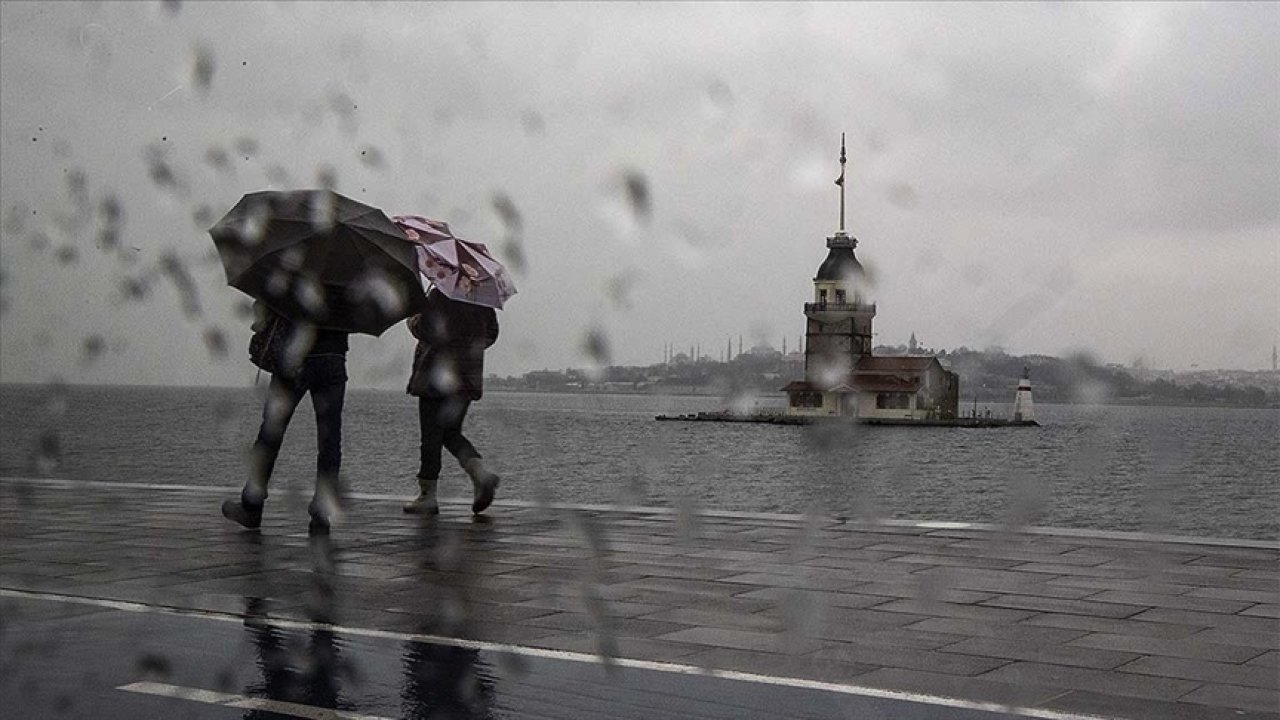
<point x="1048" y="178"/>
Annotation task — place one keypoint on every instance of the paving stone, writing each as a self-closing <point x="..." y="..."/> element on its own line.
<point x="1234" y="623"/>
<point x="904" y="638"/>
<point x="763" y="622"/>
<point x="1037" y="652"/>
<point x="1180" y="647"/>
<point x="619" y="646"/>
<point x="1271" y="595"/>
<point x="954" y="610"/>
<point x="922" y="591"/>
<point x="1110" y="625"/>
<point x="777" y="664"/>
<point x="1261" y="610"/>
<point x="1092" y="571"/>
<point x="629" y="627"/>
<point x="1217" y="636"/>
<point x="818" y="598"/>
<point x="1270" y="659"/>
<point x="1234" y="696"/>
<point x="947" y="685"/>
<point x="1091" y="704"/>
<point x="1060" y="605"/>
<point x="945" y="663"/>
<point x="959" y="561"/>
<point x="578" y="604"/>
<point x="743" y="640"/>
<point x="1102" y="681"/>
<point x="1180" y="602"/>
<point x="687" y="587"/>
<point x="1009" y="631"/>
<point x="1212" y="672"/>
<point x="1145" y="585"/>
<point x="997" y="581"/>
<point x="806" y="581"/>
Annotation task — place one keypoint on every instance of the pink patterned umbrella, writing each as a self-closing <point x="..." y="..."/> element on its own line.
<point x="461" y="269"/>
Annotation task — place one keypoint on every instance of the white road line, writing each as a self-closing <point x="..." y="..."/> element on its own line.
<point x="564" y="655"/>
<point x="938" y="525"/>
<point x="244" y="702"/>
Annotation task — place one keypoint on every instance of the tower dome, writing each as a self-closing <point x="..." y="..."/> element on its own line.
<point x="841" y="264"/>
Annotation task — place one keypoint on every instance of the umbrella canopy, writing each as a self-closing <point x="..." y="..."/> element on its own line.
<point x="318" y="257"/>
<point x="461" y="269"/>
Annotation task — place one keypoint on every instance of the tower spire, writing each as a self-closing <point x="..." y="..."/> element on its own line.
<point x="840" y="182"/>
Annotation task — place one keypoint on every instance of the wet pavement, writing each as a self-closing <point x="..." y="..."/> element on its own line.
<point x="133" y="601"/>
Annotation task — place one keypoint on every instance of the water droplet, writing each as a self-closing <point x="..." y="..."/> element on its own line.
<point x="135" y="288"/>
<point x="372" y="157"/>
<point x="67" y="255"/>
<point x="533" y="124"/>
<point x="173" y="267"/>
<point x="216" y="342"/>
<point x="153" y="665"/>
<point x="92" y="349"/>
<point x="78" y="187"/>
<point x="903" y="195"/>
<point x="245" y="145"/>
<point x="512" y="222"/>
<point x="47" y="453"/>
<point x="595" y="345"/>
<point x="15" y="220"/>
<point x="326" y="177"/>
<point x="204" y="217"/>
<point x="217" y="158"/>
<point x="639" y="199"/>
<point x="161" y="173"/>
<point x="202" y="69"/>
<point x="619" y="288"/>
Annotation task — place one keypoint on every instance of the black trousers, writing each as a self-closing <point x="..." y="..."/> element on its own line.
<point x="441" y="422"/>
<point x="325" y="377"/>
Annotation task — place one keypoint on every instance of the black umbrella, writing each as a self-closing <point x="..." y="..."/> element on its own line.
<point x="318" y="257"/>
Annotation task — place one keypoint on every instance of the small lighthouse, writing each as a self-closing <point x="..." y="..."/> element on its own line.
<point x="1023" y="408"/>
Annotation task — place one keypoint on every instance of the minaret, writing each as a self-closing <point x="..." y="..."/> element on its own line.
<point x="1274" y="359"/>
<point x="1023" y="409"/>
<point x="838" y="327"/>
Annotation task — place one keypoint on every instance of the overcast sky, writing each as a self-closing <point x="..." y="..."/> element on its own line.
<point x="1048" y="178"/>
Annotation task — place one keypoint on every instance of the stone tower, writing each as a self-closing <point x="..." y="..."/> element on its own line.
<point x="838" y="321"/>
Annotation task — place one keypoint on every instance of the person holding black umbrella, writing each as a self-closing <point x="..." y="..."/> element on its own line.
<point x="320" y="267"/>
<point x="301" y="359"/>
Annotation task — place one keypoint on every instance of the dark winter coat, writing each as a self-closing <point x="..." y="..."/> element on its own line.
<point x="452" y="337"/>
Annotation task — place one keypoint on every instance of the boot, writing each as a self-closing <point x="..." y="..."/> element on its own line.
<point x="483" y="482"/>
<point x="425" y="503"/>
<point x="325" y="508"/>
<point x="248" y="509"/>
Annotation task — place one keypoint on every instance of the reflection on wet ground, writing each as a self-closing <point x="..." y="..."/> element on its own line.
<point x="208" y="667"/>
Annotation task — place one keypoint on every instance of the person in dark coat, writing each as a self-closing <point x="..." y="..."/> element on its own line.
<point x="448" y="375"/>
<point x="312" y="360"/>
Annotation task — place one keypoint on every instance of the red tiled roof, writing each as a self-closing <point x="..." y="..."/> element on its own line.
<point x="796" y="385"/>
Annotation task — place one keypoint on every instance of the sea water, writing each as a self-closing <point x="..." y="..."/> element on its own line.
<point x="1193" y="471"/>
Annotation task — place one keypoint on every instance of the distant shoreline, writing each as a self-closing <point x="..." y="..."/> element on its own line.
<point x="688" y="393"/>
